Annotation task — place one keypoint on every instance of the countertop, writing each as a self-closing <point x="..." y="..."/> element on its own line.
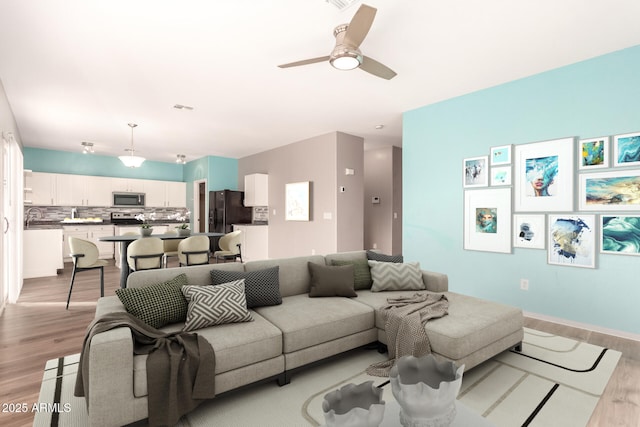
<point x="45" y="225"/>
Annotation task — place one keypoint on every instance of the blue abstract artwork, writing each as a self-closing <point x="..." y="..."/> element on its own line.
<point x="627" y="150"/>
<point x="593" y="153"/>
<point x="621" y="235"/>
<point x="571" y="241"/>
<point x="620" y="190"/>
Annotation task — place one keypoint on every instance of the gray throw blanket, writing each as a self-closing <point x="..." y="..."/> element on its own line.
<point x="404" y="325"/>
<point x="180" y="367"/>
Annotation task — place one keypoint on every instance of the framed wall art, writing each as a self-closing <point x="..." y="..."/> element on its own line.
<point x="572" y="240"/>
<point x="297" y="201"/>
<point x="487" y="220"/>
<point x="501" y="175"/>
<point x="543" y="176"/>
<point x="475" y="171"/>
<point x="610" y="191"/>
<point x="593" y="153"/>
<point x="529" y="231"/>
<point x="501" y="155"/>
<point x="620" y="234"/>
<point x="626" y="149"/>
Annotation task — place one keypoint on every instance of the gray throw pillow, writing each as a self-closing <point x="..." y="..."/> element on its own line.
<point x="376" y="256"/>
<point x="331" y="281"/>
<point x="389" y="276"/>
<point x="215" y="305"/>
<point x="262" y="287"/>
<point x="361" y="272"/>
<point x="157" y="305"/>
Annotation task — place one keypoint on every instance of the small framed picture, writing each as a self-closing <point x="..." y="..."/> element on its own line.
<point x="501" y="155"/>
<point x="593" y="153"/>
<point x="572" y="240"/>
<point x="617" y="190"/>
<point x="620" y="234"/>
<point x="529" y="231"/>
<point x="487" y="220"/>
<point x="501" y="175"/>
<point x="626" y="149"/>
<point x="476" y="172"/>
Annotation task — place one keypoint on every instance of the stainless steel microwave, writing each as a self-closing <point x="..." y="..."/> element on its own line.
<point x="127" y="200"/>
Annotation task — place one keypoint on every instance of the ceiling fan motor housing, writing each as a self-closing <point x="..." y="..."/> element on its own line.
<point x="344" y="56"/>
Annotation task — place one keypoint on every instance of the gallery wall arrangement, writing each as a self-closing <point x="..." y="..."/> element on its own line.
<point x="524" y="196"/>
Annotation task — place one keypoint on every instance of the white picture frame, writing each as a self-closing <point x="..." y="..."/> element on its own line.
<point x="297" y="201"/>
<point x="619" y="234"/>
<point x="500" y="175"/>
<point x="544" y="176"/>
<point x="615" y="190"/>
<point x="572" y="240"/>
<point x="626" y="149"/>
<point x="593" y="153"/>
<point x="475" y="172"/>
<point x="501" y="155"/>
<point x="481" y="207"/>
<point x="529" y="231"/>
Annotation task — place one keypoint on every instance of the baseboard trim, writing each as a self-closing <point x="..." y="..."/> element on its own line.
<point x="586" y="326"/>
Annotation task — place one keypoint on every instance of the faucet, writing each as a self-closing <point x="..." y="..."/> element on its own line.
<point x="29" y="217"/>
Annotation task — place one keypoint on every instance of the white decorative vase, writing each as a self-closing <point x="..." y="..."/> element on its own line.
<point x="426" y="390"/>
<point x="146" y="231"/>
<point x="354" y="406"/>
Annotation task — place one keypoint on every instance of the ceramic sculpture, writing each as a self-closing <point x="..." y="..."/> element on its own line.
<point x="426" y="390"/>
<point x="354" y="405"/>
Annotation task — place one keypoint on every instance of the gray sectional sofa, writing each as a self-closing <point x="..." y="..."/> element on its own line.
<point x="286" y="336"/>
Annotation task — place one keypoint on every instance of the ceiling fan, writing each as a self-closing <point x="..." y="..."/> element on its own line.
<point x="346" y="54"/>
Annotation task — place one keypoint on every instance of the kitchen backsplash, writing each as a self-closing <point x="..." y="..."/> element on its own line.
<point x="59" y="213"/>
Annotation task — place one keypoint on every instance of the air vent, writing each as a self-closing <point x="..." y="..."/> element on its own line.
<point x="342" y="4"/>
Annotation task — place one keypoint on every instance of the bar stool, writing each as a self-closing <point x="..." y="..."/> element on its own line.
<point x="145" y="253"/>
<point x="194" y="250"/>
<point x="230" y="247"/>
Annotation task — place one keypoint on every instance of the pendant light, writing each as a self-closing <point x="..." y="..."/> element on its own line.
<point x="130" y="160"/>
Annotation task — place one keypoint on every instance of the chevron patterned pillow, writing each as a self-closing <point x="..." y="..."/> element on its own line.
<point x="215" y="305"/>
<point x="390" y="276"/>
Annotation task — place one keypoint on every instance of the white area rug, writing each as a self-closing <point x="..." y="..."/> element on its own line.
<point x="556" y="381"/>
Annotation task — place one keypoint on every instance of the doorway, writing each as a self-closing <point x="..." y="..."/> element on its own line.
<point x="12" y="207"/>
<point x="200" y="205"/>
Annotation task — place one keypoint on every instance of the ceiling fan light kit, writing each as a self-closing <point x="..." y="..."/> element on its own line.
<point x="130" y="160"/>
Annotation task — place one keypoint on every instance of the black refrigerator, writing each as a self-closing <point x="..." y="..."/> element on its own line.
<point x="226" y="207"/>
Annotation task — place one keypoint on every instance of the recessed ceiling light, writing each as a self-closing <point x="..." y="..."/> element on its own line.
<point x="87" y="147"/>
<point x="182" y="107"/>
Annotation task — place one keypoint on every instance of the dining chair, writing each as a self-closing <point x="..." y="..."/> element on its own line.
<point x="170" y="247"/>
<point x="145" y="253"/>
<point x="85" y="257"/>
<point x="194" y="250"/>
<point x="230" y="247"/>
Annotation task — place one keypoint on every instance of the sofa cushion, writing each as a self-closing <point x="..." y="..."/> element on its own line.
<point x="306" y="322"/>
<point x="157" y="305"/>
<point x="388" y="276"/>
<point x="294" y="273"/>
<point x="331" y="281"/>
<point x="361" y="272"/>
<point x="377" y="256"/>
<point x="235" y="345"/>
<point x="261" y="287"/>
<point x="472" y="323"/>
<point x="215" y="305"/>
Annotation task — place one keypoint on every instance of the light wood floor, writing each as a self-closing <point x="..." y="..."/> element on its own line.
<point x="38" y="328"/>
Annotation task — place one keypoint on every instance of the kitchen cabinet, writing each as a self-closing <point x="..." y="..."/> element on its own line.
<point x="128" y="185"/>
<point x="255" y="241"/>
<point x="166" y="194"/>
<point x="42" y="187"/>
<point x="42" y="253"/>
<point x="87" y="190"/>
<point x="256" y="189"/>
<point x="91" y="233"/>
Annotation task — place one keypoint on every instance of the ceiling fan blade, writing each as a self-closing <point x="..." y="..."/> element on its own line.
<point x="359" y="25"/>
<point x="305" y="62"/>
<point x="372" y="66"/>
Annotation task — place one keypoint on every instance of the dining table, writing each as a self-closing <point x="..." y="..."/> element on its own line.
<point x="126" y="239"/>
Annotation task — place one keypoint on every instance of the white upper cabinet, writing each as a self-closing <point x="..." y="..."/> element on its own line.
<point x="256" y="189"/>
<point x="176" y="194"/>
<point x="42" y="187"/>
<point x="166" y="194"/>
<point x="128" y="185"/>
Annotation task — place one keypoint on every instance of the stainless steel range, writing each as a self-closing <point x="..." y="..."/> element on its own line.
<point x="124" y="218"/>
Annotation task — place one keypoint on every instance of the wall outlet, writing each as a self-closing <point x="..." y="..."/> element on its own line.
<point x="524" y="284"/>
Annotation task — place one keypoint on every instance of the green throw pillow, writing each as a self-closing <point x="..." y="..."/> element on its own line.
<point x="331" y="281"/>
<point x="157" y="305"/>
<point x="361" y="272"/>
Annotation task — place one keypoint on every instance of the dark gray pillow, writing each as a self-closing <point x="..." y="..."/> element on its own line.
<point x="376" y="256"/>
<point x="361" y="272"/>
<point x="157" y="305"/>
<point x="261" y="287"/>
<point x="331" y="280"/>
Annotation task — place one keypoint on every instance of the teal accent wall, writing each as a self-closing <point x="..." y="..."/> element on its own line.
<point x="597" y="97"/>
<point x="52" y="161"/>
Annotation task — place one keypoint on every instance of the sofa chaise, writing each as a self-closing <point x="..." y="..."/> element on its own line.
<point x="283" y="337"/>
